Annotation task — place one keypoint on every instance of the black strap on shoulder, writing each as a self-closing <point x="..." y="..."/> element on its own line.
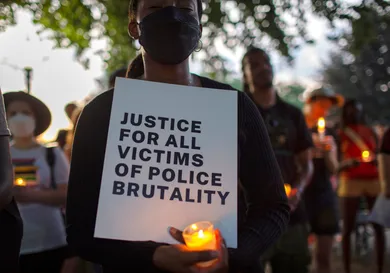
<point x="50" y="158"/>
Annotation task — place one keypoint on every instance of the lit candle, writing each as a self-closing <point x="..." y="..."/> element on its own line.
<point x="366" y="156"/>
<point x="287" y="188"/>
<point x="290" y="191"/>
<point x="321" y="128"/>
<point x="20" y="182"/>
<point x="200" y="236"/>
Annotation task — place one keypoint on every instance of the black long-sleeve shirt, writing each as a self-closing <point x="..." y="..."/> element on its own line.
<point x="11" y="225"/>
<point x="385" y="146"/>
<point x="263" y="211"/>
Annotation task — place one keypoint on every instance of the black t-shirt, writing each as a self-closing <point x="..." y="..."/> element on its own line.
<point x="289" y="136"/>
<point x="385" y="147"/>
<point x="262" y="203"/>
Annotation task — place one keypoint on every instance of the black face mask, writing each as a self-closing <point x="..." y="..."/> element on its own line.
<point x="169" y="35"/>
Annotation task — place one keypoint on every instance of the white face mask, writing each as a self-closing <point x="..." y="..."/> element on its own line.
<point x="21" y="125"/>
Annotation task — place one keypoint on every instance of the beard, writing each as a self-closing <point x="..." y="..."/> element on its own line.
<point x="263" y="84"/>
<point x="264" y="80"/>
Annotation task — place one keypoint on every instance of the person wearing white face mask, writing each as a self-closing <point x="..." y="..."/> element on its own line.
<point x="41" y="194"/>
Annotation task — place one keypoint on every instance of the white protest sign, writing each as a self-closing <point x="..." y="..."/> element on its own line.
<point x="171" y="160"/>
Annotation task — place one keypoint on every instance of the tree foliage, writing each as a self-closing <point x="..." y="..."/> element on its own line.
<point x="279" y="24"/>
<point x="365" y="76"/>
<point x="292" y="93"/>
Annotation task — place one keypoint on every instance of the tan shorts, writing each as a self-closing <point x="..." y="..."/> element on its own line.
<point x="358" y="188"/>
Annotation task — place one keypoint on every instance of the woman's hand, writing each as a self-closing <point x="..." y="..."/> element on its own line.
<point x="179" y="259"/>
<point x="220" y="266"/>
<point x="349" y="163"/>
<point x="49" y="197"/>
<point x="323" y="146"/>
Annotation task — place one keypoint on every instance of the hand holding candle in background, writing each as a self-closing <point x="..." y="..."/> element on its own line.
<point x="25" y="176"/>
<point x="367" y="157"/>
<point x="321" y="126"/>
<point x="292" y="195"/>
<point x="20" y="182"/>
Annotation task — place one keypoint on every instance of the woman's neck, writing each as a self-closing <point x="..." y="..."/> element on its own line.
<point x="173" y="74"/>
<point x="24" y="143"/>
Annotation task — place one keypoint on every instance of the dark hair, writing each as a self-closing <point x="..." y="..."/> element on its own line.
<point x="136" y="67"/>
<point x="70" y="104"/>
<point x="344" y="117"/>
<point x="250" y="51"/>
<point x="118" y="73"/>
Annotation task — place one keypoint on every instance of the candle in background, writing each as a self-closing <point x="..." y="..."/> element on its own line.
<point x="366" y="156"/>
<point x="20" y="182"/>
<point x="287" y="188"/>
<point x="200" y="236"/>
<point x="321" y="128"/>
<point x="25" y="176"/>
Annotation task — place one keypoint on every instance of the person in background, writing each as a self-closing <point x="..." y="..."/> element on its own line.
<point x="358" y="177"/>
<point x="69" y="138"/>
<point x="384" y="163"/>
<point x="62" y="135"/>
<point x="169" y="31"/>
<point x="320" y="196"/>
<point x="70" y="108"/>
<point x="292" y="144"/>
<point x="11" y="226"/>
<point x="121" y="73"/>
<point x="44" y="247"/>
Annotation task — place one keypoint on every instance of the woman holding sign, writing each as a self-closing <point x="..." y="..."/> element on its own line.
<point x="169" y="31"/>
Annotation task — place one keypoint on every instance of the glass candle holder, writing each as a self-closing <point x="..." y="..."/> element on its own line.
<point x="201" y="236"/>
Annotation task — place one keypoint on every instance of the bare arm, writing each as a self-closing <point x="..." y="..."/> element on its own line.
<point x="6" y="174"/>
<point x="331" y="158"/>
<point x="305" y="167"/>
<point x="49" y="197"/>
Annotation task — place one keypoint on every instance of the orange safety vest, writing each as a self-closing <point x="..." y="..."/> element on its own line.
<point x="354" y="141"/>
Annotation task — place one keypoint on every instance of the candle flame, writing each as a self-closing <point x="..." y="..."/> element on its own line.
<point x="194" y="226"/>
<point x="365" y="154"/>
<point x="287" y="188"/>
<point x="200" y="234"/>
<point x="321" y="124"/>
<point x="20" y="181"/>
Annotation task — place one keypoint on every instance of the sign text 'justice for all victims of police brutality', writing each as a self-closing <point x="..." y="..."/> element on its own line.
<point x="187" y="153"/>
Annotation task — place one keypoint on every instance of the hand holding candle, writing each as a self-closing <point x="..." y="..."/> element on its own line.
<point x="366" y="157"/>
<point x="182" y="258"/>
<point x="200" y="236"/>
<point x="26" y="176"/>
<point x="321" y="128"/>
<point x="20" y="182"/>
<point x="289" y="191"/>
